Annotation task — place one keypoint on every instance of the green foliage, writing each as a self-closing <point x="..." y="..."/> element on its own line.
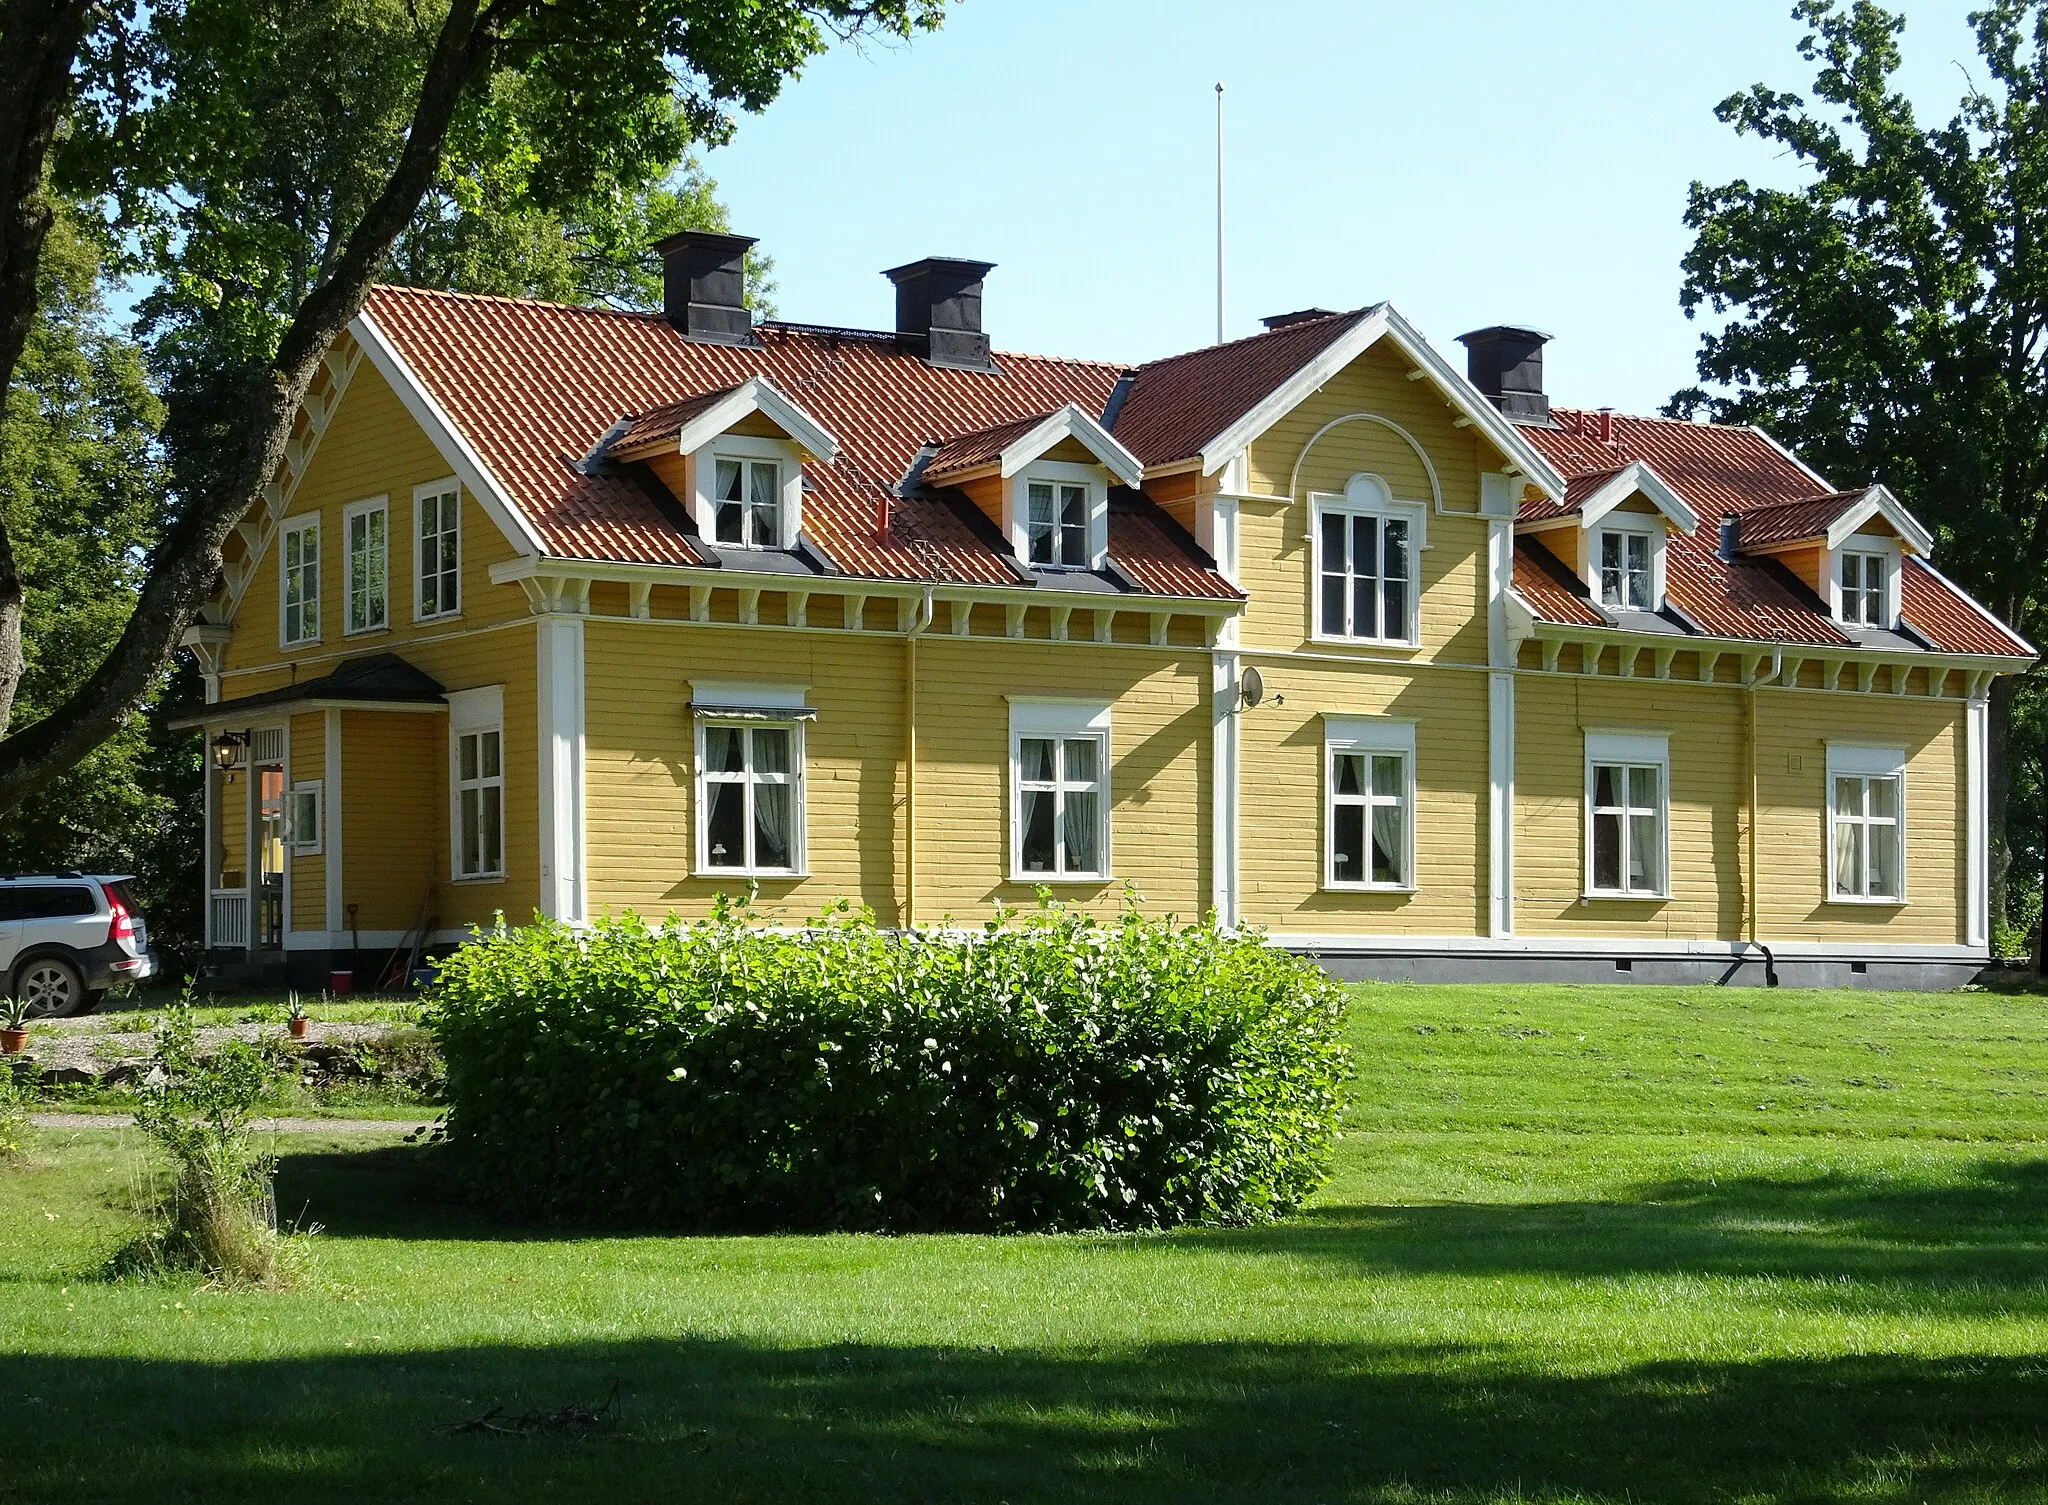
<point x="1044" y="1073"/>
<point x="17" y="1094"/>
<point x="1884" y="317"/>
<point x="219" y="1216"/>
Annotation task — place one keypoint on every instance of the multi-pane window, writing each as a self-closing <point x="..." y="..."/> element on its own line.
<point x="1867" y="858"/>
<point x="1628" y="828"/>
<point x="752" y="810"/>
<point x="1367" y="575"/>
<point x="1059" y="801"/>
<point x="1625" y="571"/>
<point x="1369" y="818"/>
<point x="369" y="556"/>
<point x="439" y="513"/>
<point x="302" y="816"/>
<point x="1056" y="523"/>
<point x="480" y="803"/>
<point x="746" y="503"/>
<point x="300" y="580"/>
<point x="1863" y="589"/>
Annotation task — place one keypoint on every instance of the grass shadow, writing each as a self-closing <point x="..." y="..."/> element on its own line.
<point x="731" y="1421"/>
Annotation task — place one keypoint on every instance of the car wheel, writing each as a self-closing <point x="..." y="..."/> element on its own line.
<point x="50" y="986"/>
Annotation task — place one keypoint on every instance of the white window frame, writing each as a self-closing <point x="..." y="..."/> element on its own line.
<point x="1852" y="760"/>
<point x="471" y="712"/>
<point x="1057" y="473"/>
<point x="420" y="497"/>
<point x="1626" y="525"/>
<point x="1630" y="749"/>
<point x="727" y="703"/>
<point x="1371" y="736"/>
<point x="374" y="506"/>
<point x="744" y="448"/>
<point x="298" y="527"/>
<point x="1367" y="495"/>
<point x="296" y="839"/>
<point x="1865" y="546"/>
<point x="1052" y="717"/>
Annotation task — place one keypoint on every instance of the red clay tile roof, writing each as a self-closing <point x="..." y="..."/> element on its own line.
<point x="1722" y="470"/>
<point x="1177" y="405"/>
<point x="1714" y="467"/>
<point x="1550" y="589"/>
<point x="982" y="447"/>
<point x="1947" y="619"/>
<point x="667" y="420"/>
<point x="1789" y="522"/>
<point x="532" y="386"/>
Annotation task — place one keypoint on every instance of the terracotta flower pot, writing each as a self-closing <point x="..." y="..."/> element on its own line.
<point x="298" y="1027"/>
<point x="13" y="1041"/>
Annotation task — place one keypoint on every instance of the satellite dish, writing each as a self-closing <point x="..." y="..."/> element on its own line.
<point x="1252" y="688"/>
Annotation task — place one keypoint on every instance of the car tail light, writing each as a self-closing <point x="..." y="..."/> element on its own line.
<point x="123" y="928"/>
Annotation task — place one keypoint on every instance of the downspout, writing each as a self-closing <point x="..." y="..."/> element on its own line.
<point x="1755" y="833"/>
<point x="919" y="623"/>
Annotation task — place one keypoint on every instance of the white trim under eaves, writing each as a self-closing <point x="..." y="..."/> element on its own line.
<point x="1637" y="476"/>
<point x="1382" y="321"/>
<point x="1878" y="501"/>
<point x="1071" y="423"/>
<point x="441" y="430"/>
<point x="756" y="394"/>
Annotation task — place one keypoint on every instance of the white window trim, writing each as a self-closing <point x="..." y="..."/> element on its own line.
<point x="1367" y="734"/>
<point x="743" y="447"/>
<point x="295" y="839"/>
<point x="479" y="710"/>
<point x="1894" y="562"/>
<point x="349" y="514"/>
<point x="1368" y="495"/>
<point x="1632" y="748"/>
<point x="1643" y="525"/>
<point x="1017" y="507"/>
<point x="1862" y="760"/>
<point x="799" y="847"/>
<point x="1053" y="716"/>
<point x="306" y="523"/>
<point x="419" y="498"/>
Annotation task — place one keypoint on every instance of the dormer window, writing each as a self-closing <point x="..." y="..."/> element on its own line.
<point x="1863" y="589"/>
<point x="747" y="503"/>
<point x="1626" y="582"/>
<point x="1056" y="524"/>
<point x="1060" y="518"/>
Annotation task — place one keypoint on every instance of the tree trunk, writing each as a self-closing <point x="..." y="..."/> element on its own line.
<point x="38" y="48"/>
<point x="186" y="564"/>
<point x="2041" y="915"/>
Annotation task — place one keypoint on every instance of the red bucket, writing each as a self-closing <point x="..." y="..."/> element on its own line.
<point x="341" y="983"/>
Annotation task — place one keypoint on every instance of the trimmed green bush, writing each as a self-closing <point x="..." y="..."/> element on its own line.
<point x="1046" y="1072"/>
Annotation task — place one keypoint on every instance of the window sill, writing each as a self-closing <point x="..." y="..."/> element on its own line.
<point x="293" y="647"/>
<point x="476" y="878"/>
<point x="764" y="874"/>
<point x="312" y="851"/>
<point x="1368" y="888"/>
<point x="368" y="632"/>
<point x="1608" y="896"/>
<point x="1033" y="880"/>
<point x="1864" y="902"/>
<point x="1400" y="645"/>
<point x="439" y="616"/>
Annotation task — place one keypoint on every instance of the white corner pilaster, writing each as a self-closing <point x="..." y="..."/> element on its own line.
<point x="1977" y="756"/>
<point x="1223" y="760"/>
<point x="1500" y="719"/>
<point x="559" y="650"/>
<point x="330" y="826"/>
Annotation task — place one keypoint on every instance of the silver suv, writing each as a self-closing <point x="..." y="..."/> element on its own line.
<point x="65" y="938"/>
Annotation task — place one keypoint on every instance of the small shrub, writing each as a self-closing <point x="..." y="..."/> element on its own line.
<point x="219" y="1215"/>
<point x="1049" y="1072"/>
<point x="17" y="1093"/>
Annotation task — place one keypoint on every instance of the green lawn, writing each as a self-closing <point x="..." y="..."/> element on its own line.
<point x="1582" y="1244"/>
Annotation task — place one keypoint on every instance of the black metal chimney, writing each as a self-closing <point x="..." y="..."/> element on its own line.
<point x="1506" y="363"/>
<point x="704" y="286"/>
<point x="938" y="311"/>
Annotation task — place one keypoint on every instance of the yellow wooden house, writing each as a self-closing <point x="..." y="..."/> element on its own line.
<point x="569" y="611"/>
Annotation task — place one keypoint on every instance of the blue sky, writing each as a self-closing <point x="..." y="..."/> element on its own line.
<point x="1475" y="161"/>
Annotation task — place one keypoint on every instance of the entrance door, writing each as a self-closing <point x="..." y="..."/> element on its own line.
<point x="268" y="932"/>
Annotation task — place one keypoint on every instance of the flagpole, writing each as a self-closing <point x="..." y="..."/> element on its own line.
<point x="1219" y="213"/>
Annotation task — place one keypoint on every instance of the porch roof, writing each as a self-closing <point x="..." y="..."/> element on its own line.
<point x="372" y="681"/>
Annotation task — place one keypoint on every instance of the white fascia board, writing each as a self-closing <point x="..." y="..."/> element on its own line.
<point x="757" y="394"/>
<point x="440" y="429"/>
<point x="1070" y="422"/>
<point x="1878" y="501"/>
<point x="1633" y="478"/>
<point x="1383" y="321"/>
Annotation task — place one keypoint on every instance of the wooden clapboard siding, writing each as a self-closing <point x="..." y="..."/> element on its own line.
<point x="394" y="815"/>
<point x="1281" y="849"/>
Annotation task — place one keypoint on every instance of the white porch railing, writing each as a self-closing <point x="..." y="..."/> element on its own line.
<point x="228" y="918"/>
